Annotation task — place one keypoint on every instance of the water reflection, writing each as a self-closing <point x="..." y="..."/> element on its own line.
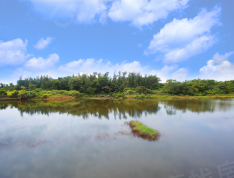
<point x="196" y="105"/>
<point x="52" y="139"/>
<point x="102" y="108"/>
<point x="85" y="108"/>
<point x="3" y="106"/>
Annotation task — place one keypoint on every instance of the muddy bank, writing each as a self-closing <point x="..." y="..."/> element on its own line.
<point x="9" y="99"/>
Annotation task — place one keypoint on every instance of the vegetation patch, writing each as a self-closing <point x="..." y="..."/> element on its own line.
<point x="121" y="86"/>
<point x="143" y="131"/>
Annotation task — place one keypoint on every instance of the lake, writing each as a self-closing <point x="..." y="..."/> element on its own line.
<point x="91" y="139"/>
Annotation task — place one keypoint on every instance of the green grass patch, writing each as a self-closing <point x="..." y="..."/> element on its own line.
<point x="143" y="131"/>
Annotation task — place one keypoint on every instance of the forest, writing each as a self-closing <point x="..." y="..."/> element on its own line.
<point x="119" y="84"/>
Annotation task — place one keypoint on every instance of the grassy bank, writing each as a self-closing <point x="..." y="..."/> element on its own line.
<point x="40" y="94"/>
<point x="143" y="131"/>
<point x="43" y="94"/>
<point x="167" y="96"/>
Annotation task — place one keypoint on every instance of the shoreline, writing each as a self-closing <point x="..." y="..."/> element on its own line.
<point x="10" y="99"/>
<point x="126" y="98"/>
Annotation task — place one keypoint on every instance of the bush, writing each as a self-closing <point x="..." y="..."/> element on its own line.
<point x="44" y="96"/>
<point x="148" y="91"/>
<point x="75" y="94"/>
<point x="119" y="95"/>
<point x="31" y="94"/>
<point x="140" y="96"/>
<point x="126" y="89"/>
<point x="27" y="94"/>
<point x="91" y="91"/>
<point x="129" y="92"/>
<point x="141" y="89"/>
<point x="61" y="91"/>
<point x="3" y="92"/>
<point x="15" y="94"/>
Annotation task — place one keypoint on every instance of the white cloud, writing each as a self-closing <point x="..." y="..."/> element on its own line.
<point x="40" y="66"/>
<point x="143" y="12"/>
<point x="41" y="63"/>
<point x="181" y="74"/>
<point x="20" y="72"/>
<point x="43" y="43"/>
<point x="138" y="12"/>
<point x="82" y="11"/>
<point x="13" y="52"/>
<point x="91" y="65"/>
<point x="218" y="68"/>
<point x="171" y="72"/>
<point x="181" y="39"/>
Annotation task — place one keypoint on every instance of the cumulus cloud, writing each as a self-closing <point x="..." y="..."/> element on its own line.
<point x="182" y="39"/>
<point x="41" y="63"/>
<point x="43" y="43"/>
<point x="82" y="11"/>
<point x="138" y="12"/>
<point x="171" y="72"/>
<point x="91" y="65"/>
<point x="218" y="68"/>
<point x="13" y="52"/>
<point x="181" y="74"/>
<point x="143" y="12"/>
<point x="20" y="72"/>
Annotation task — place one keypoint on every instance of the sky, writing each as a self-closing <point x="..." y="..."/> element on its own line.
<point x="173" y="39"/>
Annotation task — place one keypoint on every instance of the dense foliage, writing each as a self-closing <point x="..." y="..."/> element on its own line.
<point x="92" y="84"/>
<point x="117" y="86"/>
<point x="198" y="87"/>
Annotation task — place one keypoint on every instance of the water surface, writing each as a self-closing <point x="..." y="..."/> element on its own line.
<point x="81" y="138"/>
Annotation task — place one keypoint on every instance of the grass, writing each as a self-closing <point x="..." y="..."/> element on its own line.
<point x="62" y="94"/>
<point x="143" y="131"/>
<point x="166" y="96"/>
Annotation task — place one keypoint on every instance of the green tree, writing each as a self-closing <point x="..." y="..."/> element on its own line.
<point x="32" y="87"/>
<point x="3" y="92"/>
<point x="75" y="83"/>
<point x="91" y="91"/>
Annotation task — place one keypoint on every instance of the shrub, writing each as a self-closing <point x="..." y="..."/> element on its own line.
<point x="31" y="94"/>
<point x="15" y="94"/>
<point x="148" y="91"/>
<point x="141" y="89"/>
<point x="38" y="90"/>
<point x="129" y="92"/>
<point x="119" y="95"/>
<point x="3" y="92"/>
<point x="91" y="91"/>
<point x="75" y="94"/>
<point x="140" y="96"/>
<point x="61" y="91"/>
<point x="44" y="96"/>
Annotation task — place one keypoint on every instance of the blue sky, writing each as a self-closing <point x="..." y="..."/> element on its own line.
<point x="174" y="39"/>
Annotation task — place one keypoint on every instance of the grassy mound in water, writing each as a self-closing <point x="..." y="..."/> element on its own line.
<point x="143" y="131"/>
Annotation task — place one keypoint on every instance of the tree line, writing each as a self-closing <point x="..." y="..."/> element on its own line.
<point x="129" y="83"/>
<point x="92" y="84"/>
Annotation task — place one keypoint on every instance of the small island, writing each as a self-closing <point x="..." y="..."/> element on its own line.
<point x="143" y="131"/>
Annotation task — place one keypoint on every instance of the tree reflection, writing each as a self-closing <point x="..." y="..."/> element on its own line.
<point x="3" y="106"/>
<point x="86" y="107"/>
<point x="196" y="105"/>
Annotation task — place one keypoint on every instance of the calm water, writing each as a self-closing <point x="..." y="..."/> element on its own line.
<point x="81" y="139"/>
